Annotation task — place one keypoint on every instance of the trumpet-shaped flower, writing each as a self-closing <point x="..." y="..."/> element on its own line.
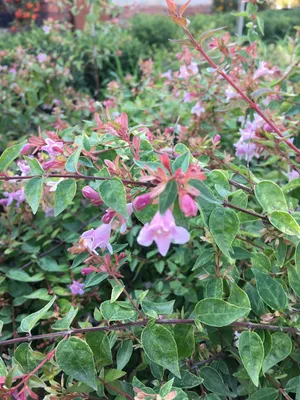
<point x="163" y="231"/>
<point x="77" y="288"/>
<point x="98" y="238"/>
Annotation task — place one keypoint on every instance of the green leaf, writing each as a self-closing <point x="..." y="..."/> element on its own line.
<point x="29" y="322"/>
<point x="22" y="276"/>
<point x="49" y="264"/>
<point x="185" y="339"/>
<point x="281" y="347"/>
<point x="9" y="155"/>
<point x="285" y="223"/>
<point x="115" y="311"/>
<point x="113" y="374"/>
<point x="265" y="393"/>
<point x="33" y="193"/>
<point x="224" y="225"/>
<point x="161" y="348"/>
<point x="214" y="382"/>
<point x="261" y="261"/>
<point x="297" y="258"/>
<point x="270" y="290"/>
<point x="168" y="196"/>
<point x="187" y="380"/>
<point x="257" y="304"/>
<point x="239" y="297"/>
<point x="3" y="370"/>
<point x="216" y="312"/>
<point x="117" y="290"/>
<point x="75" y="358"/>
<point x="292" y="384"/>
<point x="213" y="288"/>
<point x="165" y="308"/>
<point x="124" y="354"/>
<point x="114" y="195"/>
<point x="99" y="344"/>
<point x="35" y="166"/>
<point x="182" y="162"/>
<point x="72" y="161"/>
<point x="294" y="279"/>
<point x="251" y="350"/>
<point x="64" y="194"/>
<point x="205" y="192"/>
<point x="66" y="321"/>
<point x="261" y="25"/>
<point x="270" y="197"/>
<point x="24" y="356"/>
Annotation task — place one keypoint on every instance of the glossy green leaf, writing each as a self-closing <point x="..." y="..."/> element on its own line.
<point x="213" y="288"/>
<point x="35" y="166"/>
<point x="251" y="351"/>
<point x="270" y="197"/>
<point x="29" y="322"/>
<point x="270" y="290"/>
<point x="72" y="161"/>
<point x="25" y="358"/>
<point x="164" y="308"/>
<point x="281" y="347"/>
<point x="99" y="344"/>
<point x="266" y="393"/>
<point x="66" y="321"/>
<point x="113" y="374"/>
<point x="124" y="354"/>
<point x="33" y="193"/>
<point x="285" y="223"/>
<point x="294" y="279"/>
<point x="217" y="312"/>
<point x="239" y="297"/>
<point x="187" y="381"/>
<point x="257" y="304"/>
<point x="64" y="195"/>
<point x="9" y="155"/>
<point x="185" y="339"/>
<point x="75" y="358"/>
<point x="116" y="312"/>
<point x="214" y="382"/>
<point x="168" y="196"/>
<point x="224" y="225"/>
<point x="261" y="261"/>
<point x="160" y="346"/>
<point x="114" y="196"/>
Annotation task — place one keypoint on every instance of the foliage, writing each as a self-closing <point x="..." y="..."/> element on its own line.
<point x="150" y="247"/>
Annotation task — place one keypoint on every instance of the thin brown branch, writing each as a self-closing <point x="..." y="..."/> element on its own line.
<point x="250" y="212"/>
<point x="238" y="326"/>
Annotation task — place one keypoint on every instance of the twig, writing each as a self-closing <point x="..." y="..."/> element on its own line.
<point x="115" y="389"/>
<point x="208" y="360"/>
<point x="236" y="325"/>
<point x="253" y="213"/>
<point x="277" y="386"/>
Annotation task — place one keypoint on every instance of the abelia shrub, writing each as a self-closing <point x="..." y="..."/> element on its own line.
<point x="141" y="263"/>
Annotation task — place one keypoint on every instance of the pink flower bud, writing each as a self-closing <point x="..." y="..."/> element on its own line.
<point x="92" y="195"/>
<point x="87" y="270"/>
<point x="216" y="139"/>
<point x="122" y="255"/>
<point x="27" y="149"/>
<point x="188" y="205"/>
<point x="108" y="216"/>
<point x="267" y="128"/>
<point x="142" y="201"/>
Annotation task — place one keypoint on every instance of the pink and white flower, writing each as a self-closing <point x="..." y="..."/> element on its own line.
<point x="77" y="288"/>
<point x="198" y="109"/>
<point x="262" y="70"/>
<point x="18" y="196"/>
<point x="99" y="237"/>
<point x="53" y="148"/>
<point x="163" y="231"/>
<point x="42" y="57"/>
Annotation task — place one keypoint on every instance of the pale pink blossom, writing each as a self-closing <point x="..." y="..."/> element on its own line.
<point x="216" y="139"/>
<point x="262" y="70"/>
<point x="168" y="75"/>
<point x="46" y="29"/>
<point x="183" y="72"/>
<point x="42" y="57"/>
<point x="99" y="237"/>
<point x="246" y="150"/>
<point x="23" y="167"/>
<point x="188" y="97"/>
<point x="77" y="288"/>
<point x="293" y="174"/>
<point x="53" y="148"/>
<point x="198" y="109"/>
<point x="163" y="231"/>
<point x="187" y="205"/>
<point x="18" y="196"/>
<point x="230" y="93"/>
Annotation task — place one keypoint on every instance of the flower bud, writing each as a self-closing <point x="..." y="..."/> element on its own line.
<point x="216" y="139"/>
<point x="142" y="201"/>
<point x="188" y="205"/>
<point x="92" y="195"/>
<point x="267" y="128"/>
<point x="108" y="216"/>
<point x="87" y="270"/>
<point x="27" y="149"/>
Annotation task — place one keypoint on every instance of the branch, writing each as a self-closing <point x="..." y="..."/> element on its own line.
<point x="74" y="176"/>
<point x="251" y="103"/>
<point x="250" y="212"/>
<point x="238" y="326"/>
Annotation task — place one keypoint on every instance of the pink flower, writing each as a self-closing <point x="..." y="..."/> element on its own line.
<point x="46" y="29"/>
<point x="247" y="150"/>
<point x="92" y="195"/>
<point x="53" y="148"/>
<point x="87" y="270"/>
<point x="77" y="288"/>
<point x="27" y="148"/>
<point x="18" y="196"/>
<point x="98" y="238"/>
<point x="187" y="205"/>
<point x="163" y="231"/>
<point x="262" y="70"/>
<point x="187" y="97"/>
<point x="23" y="167"/>
<point x="124" y="220"/>
<point x="193" y="67"/>
<point x="167" y="75"/>
<point x="231" y="93"/>
<point x="42" y="57"/>
<point x="216" y="139"/>
<point x="197" y="109"/>
<point x="142" y="201"/>
<point x="293" y="175"/>
<point x="183" y="72"/>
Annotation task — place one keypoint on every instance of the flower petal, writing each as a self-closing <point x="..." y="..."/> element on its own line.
<point x="180" y="235"/>
<point x="163" y="244"/>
